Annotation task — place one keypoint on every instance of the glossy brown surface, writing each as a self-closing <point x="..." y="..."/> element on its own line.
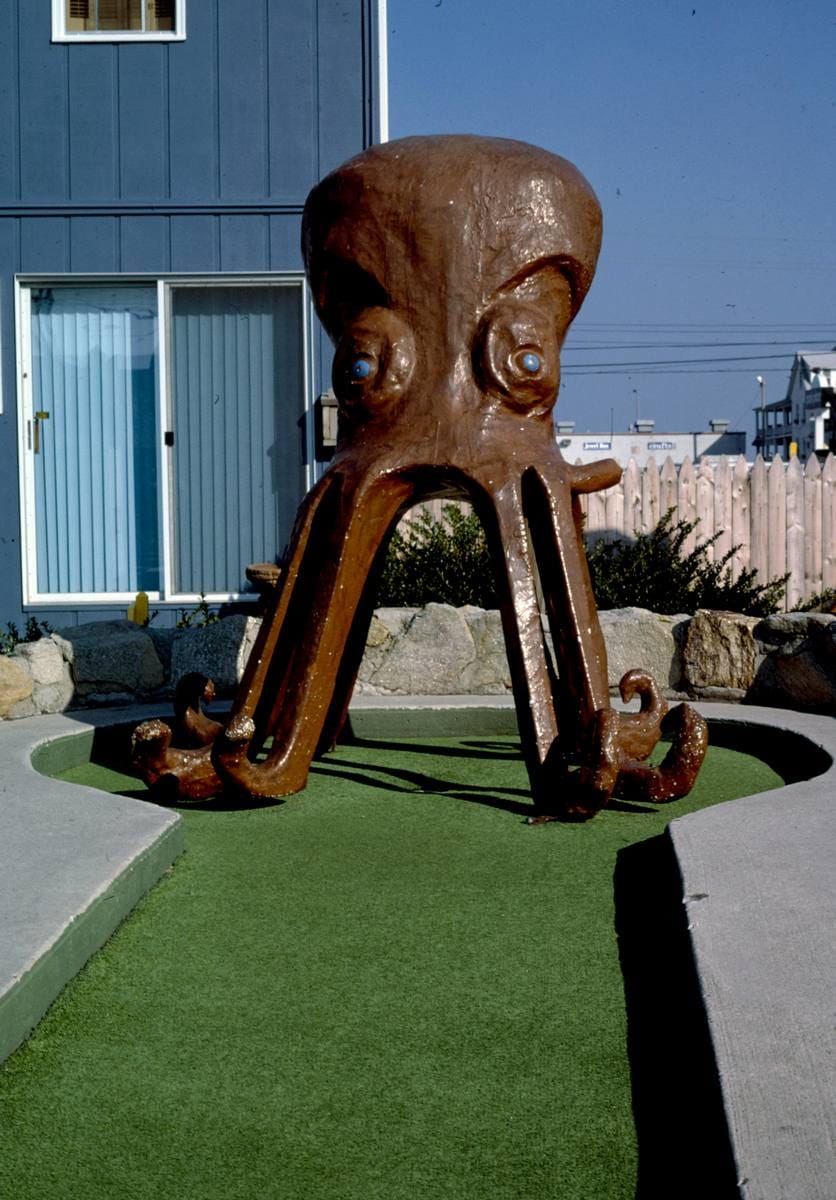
<point x="447" y="271"/>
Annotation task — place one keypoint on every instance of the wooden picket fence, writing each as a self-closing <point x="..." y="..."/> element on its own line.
<point x="781" y="516"/>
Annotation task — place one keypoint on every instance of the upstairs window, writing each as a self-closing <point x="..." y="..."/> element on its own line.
<point x="118" y="20"/>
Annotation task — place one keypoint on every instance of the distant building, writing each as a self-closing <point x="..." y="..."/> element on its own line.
<point x="645" y="442"/>
<point x="806" y="416"/>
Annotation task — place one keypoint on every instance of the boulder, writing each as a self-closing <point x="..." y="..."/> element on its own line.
<point x="429" y="656"/>
<point x="110" y="657"/>
<point x="52" y="680"/>
<point x="488" y="674"/>
<point x="163" y="639"/>
<point x="719" y="651"/>
<point x="386" y="625"/>
<point x="798" y="669"/>
<point x="219" y="650"/>
<point x="636" y="637"/>
<point x="15" y="683"/>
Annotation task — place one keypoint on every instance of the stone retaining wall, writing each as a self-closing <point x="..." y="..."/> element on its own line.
<point x="787" y="660"/>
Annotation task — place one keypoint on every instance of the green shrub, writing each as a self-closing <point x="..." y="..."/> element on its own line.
<point x="653" y="572"/>
<point x="197" y="617"/>
<point x="447" y="561"/>
<point x="824" y="602"/>
<point x="444" y="560"/>
<point x="35" y="630"/>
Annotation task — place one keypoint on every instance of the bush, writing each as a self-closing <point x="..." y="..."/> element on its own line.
<point x="197" y="617"/>
<point x="445" y="561"/>
<point x="823" y="602"/>
<point x="35" y="630"/>
<point x="653" y="572"/>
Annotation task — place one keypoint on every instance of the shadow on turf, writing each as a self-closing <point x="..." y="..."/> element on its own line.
<point x="416" y="783"/>
<point x="683" y="1139"/>
<point x="392" y="779"/>
<point x="111" y="748"/>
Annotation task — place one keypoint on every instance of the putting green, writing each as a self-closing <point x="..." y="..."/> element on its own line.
<point x="387" y="986"/>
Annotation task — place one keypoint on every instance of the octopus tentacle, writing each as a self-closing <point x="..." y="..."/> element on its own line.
<point x="531" y="676"/>
<point x="192" y="727"/>
<point x="326" y="579"/>
<point x="178" y="774"/>
<point x="677" y="773"/>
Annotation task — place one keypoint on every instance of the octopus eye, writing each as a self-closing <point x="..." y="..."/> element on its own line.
<point x="373" y="362"/>
<point x="530" y="362"/>
<point x="516" y="354"/>
<point x="360" y="369"/>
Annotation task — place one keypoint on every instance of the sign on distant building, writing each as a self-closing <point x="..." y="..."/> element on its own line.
<point x="599" y="445"/>
<point x="661" y="445"/>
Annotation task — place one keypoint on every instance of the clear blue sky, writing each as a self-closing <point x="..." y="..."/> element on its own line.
<point x="708" y="130"/>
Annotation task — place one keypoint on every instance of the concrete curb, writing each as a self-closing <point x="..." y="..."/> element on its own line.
<point x="758" y="885"/>
<point x="73" y="863"/>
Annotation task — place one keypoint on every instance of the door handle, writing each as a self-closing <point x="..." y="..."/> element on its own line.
<point x="39" y="416"/>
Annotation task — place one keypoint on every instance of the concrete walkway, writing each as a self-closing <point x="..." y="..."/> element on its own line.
<point x="757" y="877"/>
<point x="760" y="889"/>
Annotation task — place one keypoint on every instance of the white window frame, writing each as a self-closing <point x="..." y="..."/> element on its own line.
<point x="166" y="597"/>
<point x="61" y="34"/>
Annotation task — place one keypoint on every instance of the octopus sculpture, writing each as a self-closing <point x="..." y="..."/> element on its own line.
<point x="447" y="271"/>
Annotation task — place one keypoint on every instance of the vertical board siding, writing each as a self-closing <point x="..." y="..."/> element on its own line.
<point x="740" y="519"/>
<point x="759" y="552"/>
<point x="193" y="106"/>
<point x="144" y="244"/>
<point x="242" y="100"/>
<point x="93" y="122"/>
<point x="651" y="492"/>
<point x="293" y="82"/>
<point x="195" y="245"/>
<point x="704" y="501"/>
<point x="812" y="526"/>
<point x="722" y="509"/>
<point x="341" y="60"/>
<point x="776" y="538"/>
<point x="9" y="88"/>
<point x="686" y="497"/>
<point x="256" y="103"/>
<point x="285" y="243"/>
<point x="776" y="519"/>
<point x="143" y="120"/>
<point x="794" y="558"/>
<point x="238" y="398"/>
<point x="828" y="522"/>
<point x="244" y="242"/>
<point x="94" y="244"/>
<point x="44" y="149"/>
<point x="45" y="244"/>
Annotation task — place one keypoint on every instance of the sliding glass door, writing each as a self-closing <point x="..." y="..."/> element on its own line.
<point x="164" y="434"/>
<point x="93" y="439"/>
<point x="238" y="430"/>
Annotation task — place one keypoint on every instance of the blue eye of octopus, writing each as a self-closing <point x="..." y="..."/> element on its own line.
<point x="360" y="369"/>
<point x="530" y="362"/>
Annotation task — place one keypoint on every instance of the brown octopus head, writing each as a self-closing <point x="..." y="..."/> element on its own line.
<point x="447" y="271"/>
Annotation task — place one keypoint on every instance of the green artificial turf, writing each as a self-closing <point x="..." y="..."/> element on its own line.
<point x="387" y="986"/>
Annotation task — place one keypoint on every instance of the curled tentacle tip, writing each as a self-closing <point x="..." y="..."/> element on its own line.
<point x="240" y="729"/>
<point x="638" y="682"/>
<point x="150" y="733"/>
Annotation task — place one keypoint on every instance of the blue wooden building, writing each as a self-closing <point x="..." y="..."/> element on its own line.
<point x="159" y="358"/>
